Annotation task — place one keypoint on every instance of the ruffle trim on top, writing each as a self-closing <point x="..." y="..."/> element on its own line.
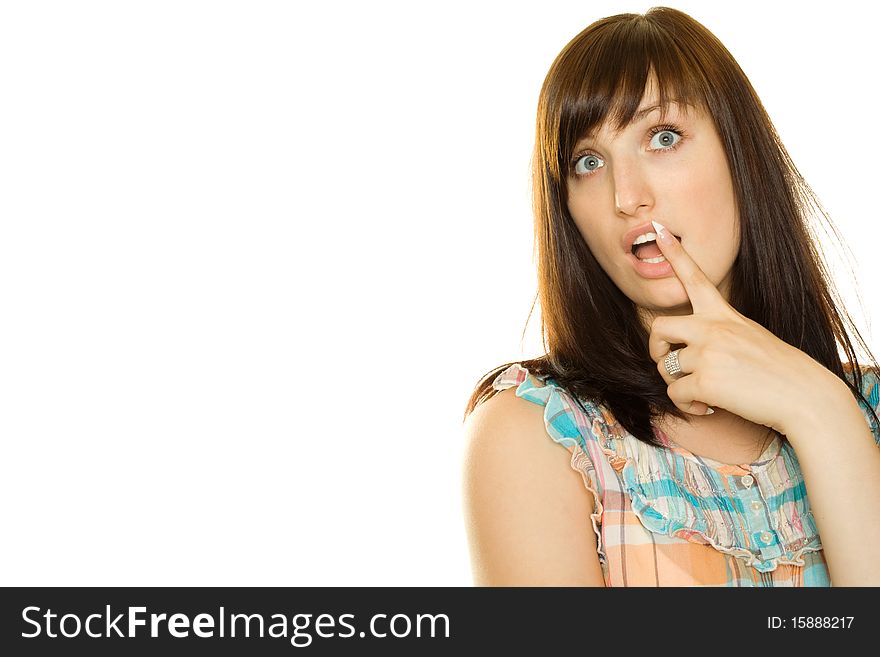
<point x="689" y="507"/>
<point x="562" y="428"/>
<point x="871" y="391"/>
<point x="669" y="494"/>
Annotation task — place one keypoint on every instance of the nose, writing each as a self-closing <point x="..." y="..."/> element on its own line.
<point x="631" y="191"/>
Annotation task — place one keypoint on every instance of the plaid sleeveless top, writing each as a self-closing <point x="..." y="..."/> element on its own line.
<point x="667" y="517"/>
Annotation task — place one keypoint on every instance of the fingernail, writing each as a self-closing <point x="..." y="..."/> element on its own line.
<point x="709" y="411"/>
<point x="662" y="233"/>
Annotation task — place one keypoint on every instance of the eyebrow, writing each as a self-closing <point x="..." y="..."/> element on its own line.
<point x="642" y="113"/>
<point x="638" y="116"/>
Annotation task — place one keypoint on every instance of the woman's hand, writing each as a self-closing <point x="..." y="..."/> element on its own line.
<point x="731" y="361"/>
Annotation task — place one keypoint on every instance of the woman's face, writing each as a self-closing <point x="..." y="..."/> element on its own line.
<point x="677" y="176"/>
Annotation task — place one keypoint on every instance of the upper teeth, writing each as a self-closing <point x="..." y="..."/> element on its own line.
<point x="647" y="237"/>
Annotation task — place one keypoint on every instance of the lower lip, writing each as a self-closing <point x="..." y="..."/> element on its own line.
<point x="651" y="269"/>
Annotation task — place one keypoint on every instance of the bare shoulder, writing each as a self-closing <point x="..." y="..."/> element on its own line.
<point x="527" y="510"/>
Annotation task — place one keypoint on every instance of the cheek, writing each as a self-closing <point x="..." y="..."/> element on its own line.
<point x="701" y="184"/>
<point x="709" y="190"/>
<point x="595" y="241"/>
<point x="599" y="234"/>
<point x="584" y="221"/>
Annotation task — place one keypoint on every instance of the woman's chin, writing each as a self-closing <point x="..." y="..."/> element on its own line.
<point x="672" y="304"/>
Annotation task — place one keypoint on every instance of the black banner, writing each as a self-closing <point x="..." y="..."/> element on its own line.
<point x="389" y="621"/>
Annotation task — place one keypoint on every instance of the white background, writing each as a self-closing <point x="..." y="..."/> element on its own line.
<point x="255" y="256"/>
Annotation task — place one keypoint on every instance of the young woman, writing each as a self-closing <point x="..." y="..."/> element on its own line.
<point x="691" y="422"/>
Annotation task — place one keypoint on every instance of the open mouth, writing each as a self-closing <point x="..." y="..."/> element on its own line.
<point x="635" y="247"/>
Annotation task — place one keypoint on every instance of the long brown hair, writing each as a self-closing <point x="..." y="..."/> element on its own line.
<point x="596" y="346"/>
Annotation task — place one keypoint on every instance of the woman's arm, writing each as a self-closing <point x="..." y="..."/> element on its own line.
<point x="840" y="462"/>
<point x="527" y="511"/>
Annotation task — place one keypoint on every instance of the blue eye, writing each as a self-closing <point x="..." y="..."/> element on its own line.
<point x="663" y="139"/>
<point x="666" y="140"/>
<point x="586" y="164"/>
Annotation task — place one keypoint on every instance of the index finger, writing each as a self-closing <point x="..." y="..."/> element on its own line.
<point x="701" y="291"/>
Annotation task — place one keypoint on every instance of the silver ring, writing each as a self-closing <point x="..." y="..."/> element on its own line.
<point x="673" y="367"/>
